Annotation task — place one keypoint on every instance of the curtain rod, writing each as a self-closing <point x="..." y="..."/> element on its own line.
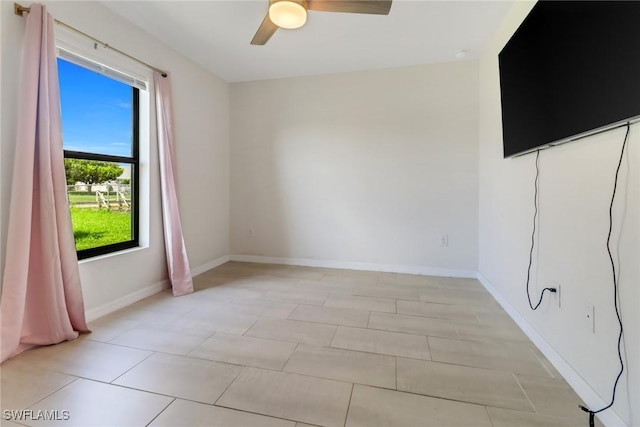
<point x="21" y="10"/>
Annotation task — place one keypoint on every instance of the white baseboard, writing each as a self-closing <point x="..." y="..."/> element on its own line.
<point x="126" y="300"/>
<point x="349" y="265"/>
<point x="209" y="265"/>
<point x="122" y="302"/>
<point x="575" y="380"/>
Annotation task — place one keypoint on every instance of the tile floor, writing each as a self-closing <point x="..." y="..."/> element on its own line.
<point x="267" y="345"/>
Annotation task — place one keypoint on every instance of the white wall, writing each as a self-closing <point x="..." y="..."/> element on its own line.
<point x="575" y="190"/>
<point x="201" y="112"/>
<point x="366" y="167"/>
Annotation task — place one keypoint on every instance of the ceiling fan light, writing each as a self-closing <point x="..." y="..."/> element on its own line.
<point x="287" y="14"/>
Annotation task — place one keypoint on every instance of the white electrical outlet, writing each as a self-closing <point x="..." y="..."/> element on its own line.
<point x="250" y="232"/>
<point x="589" y="318"/>
<point x="444" y="240"/>
<point x="558" y="294"/>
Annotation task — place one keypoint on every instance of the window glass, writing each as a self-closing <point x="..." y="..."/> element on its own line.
<point x="100" y="141"/>
<point x="96" y="111"/>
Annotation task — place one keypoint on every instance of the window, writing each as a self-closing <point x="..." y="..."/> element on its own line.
<point x="100" y="126"/>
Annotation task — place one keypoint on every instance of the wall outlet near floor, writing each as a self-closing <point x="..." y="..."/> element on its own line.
<point x="444" y="240"/>
<point x="250" y="232"/>
<point x="589" y="318"/>
<point x="558" y="294"/>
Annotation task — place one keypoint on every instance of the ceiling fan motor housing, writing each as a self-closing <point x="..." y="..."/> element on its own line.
<point x="289" y="14"/>
<point x="302" y="3"/>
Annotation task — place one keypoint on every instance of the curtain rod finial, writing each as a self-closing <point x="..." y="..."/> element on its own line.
<point x="19" y="9"/>
<point x="164" y="74"/>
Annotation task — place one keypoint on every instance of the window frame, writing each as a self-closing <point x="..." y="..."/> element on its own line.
<point x="134" y="161"/>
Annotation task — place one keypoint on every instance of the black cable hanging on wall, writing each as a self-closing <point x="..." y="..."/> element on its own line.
<point x="615" y="290"/>
<point x="533" y="238"/>
<point x="591" y="413"/>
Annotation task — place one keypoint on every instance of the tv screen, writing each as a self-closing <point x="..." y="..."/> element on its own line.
<point x="572" y="68"/>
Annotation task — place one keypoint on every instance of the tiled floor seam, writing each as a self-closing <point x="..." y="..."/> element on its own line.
<point x="136" y="389"/>
<point x="292" y="311"/>
<point x="159" y="413"/>
<point x="244" y="368"/>
<point x="152" y="350"/>
<point x="308" y="376"/>
<point x="246" y="412"/>
<point x="76" y="378"/>
<point x="436" y="397"/>
<point x="403" y="332"/>
<point x="134" y="366"/>
<point x="544" y="365"/>
<point x="88" y="336"/>
<point x="429" y="348"/>
<point x="231" y="364"/>
<point x="469" y="366"/>
<point x="510" y="371"/>
<point x="486" y="409"/>
<point x="396" y="299"/>
<point x="248" y="336"/>
<point x="395" y="363"/>
<point x="255" y="413"/>
<point x="515" y="377"/>
<point x="346" y="416"/>
<point x="370" y="352"/>
<point x="339" y="380"/>
<point x="332" y="337"/>
<point x="454" y="400"/>
<point x="289" y="358"/>
<point x="248" y="329"/>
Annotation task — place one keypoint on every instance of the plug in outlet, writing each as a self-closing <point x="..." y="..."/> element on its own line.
<point x="444" y="240"/>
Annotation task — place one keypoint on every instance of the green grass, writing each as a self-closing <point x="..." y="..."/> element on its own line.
<point x="98" y="227"/>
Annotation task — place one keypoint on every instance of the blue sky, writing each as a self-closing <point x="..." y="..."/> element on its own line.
<point x="96" y="111"/>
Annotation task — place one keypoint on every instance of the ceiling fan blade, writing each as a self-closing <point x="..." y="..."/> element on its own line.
<point x="374" y="7"/>
<point x="265" y="31"/>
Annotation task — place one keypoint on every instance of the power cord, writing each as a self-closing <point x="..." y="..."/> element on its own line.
<point x="615" y="290"/>
<point x="533" y="239"/>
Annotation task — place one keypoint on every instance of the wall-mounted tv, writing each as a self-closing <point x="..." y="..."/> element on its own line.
<point x="572" y="68"/>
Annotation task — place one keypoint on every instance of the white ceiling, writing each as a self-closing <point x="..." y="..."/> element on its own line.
<point x="216" y="34"/>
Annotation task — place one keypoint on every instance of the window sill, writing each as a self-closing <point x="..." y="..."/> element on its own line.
<point x="112" y="254"/>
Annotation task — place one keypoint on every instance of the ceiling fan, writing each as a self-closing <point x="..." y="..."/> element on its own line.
<point x="293" y="13"/>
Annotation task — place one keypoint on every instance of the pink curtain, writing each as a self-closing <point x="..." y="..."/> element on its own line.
<point x="177" y="261"/>
<point x="41" y="292"/>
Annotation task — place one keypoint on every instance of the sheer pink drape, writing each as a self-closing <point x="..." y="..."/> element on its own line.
<point x="177" y="261"/>
<point x="41" y="292"/>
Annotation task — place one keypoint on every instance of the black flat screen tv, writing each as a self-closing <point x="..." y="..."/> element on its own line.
<point x="571" y="69"/>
